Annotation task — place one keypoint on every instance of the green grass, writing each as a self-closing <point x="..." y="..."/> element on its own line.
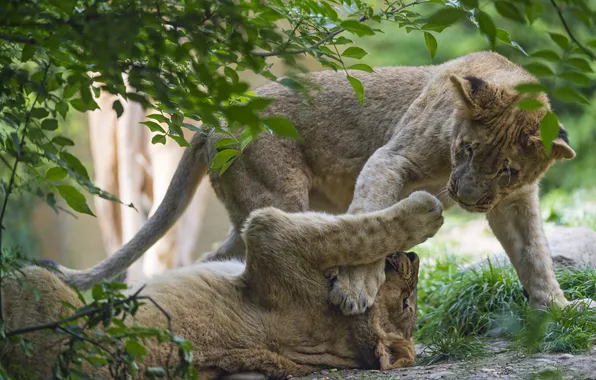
<point x="450" y="345"/>
<point x="459" y="309"/>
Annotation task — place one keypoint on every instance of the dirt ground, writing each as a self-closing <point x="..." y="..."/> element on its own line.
<point x="501" y="363"/>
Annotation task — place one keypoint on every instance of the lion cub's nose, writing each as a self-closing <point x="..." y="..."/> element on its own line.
<point x="469" y="195"/>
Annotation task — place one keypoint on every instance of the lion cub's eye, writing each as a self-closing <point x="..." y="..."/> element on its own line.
<point x="405" y="301"/>
<point x="507" y="169"/>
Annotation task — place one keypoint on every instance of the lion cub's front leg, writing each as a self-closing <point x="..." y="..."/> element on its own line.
<point x="379" y="185"/>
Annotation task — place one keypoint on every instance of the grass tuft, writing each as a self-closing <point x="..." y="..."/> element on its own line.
<point x="450" y="345"/>
<point x="460" y="308"/>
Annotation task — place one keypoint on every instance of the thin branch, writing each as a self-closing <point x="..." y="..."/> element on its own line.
<point x="331" y="35"/>
<point x="57" y="324"/>
<point x="18" y="39"/>
<point x="13" y="173"/>
<point x="80" y="337"/>
<point x="570" y="33"/>
<point x="169" y="318"/>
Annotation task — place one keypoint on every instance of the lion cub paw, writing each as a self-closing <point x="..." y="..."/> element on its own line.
<point x="584" y="303"/>
<point x="422" y="215"/>
<point x="354" y="288"/>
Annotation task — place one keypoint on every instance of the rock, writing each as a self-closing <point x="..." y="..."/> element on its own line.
<point x="245" y="376"/>
<point x="487" y="370"/>
<point x="570" y="246"/>
<point x="438" y="375"/>
<point x="325" y="372"/>
<point x="547" y="361"/>
<point x="566" y="356"/>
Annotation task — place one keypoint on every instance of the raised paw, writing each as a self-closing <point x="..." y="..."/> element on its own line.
<point x="422" y="215"/>
<point x="354" y="288"/>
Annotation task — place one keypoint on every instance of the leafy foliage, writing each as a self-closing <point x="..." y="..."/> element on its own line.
<point x="184" y="59"/>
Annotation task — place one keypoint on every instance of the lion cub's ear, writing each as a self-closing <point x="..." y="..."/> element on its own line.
<point x="560" y="150"/>
<point x="473" y="91"/>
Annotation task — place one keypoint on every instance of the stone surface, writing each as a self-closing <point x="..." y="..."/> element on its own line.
<point x="501" y="365"/>
<point x="570" y="246"/>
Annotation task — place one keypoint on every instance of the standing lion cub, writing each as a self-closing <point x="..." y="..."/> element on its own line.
<point x="452" y="129"/>
<point x="270" y="315"/>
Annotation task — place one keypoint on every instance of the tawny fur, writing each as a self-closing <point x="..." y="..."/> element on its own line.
<point x="270" y="315"/>
<point x="450" y="128"/>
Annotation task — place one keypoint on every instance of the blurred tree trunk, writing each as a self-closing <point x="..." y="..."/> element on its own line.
<point x="127" y="165"/>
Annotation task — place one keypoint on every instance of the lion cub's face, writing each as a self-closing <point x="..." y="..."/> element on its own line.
<point x="496" y="146"/>
<point x="397" y="296"/>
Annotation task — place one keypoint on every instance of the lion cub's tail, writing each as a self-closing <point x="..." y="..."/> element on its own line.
<point x="189" y="173"/>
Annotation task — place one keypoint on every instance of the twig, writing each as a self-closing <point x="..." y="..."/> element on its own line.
<point x="80" y="337"/>
<point x="169" y="318"/>
<point x="13" y="173"/>
<point x="330" y="35"/>
<point x="570" y="33"/>
<point x="57" y="324"/>
<point x="18" y="39"/>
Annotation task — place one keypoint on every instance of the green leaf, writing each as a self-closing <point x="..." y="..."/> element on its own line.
<point x="225" y="142"/>
<point x="539" y="69"/>
<point x="97" y="292"/>
<point x="525" y="88"/>
<point x="180" y="140"/>
<point x="136" y="349"/>
<point x="49" y="124"/>
<point x="446" y="16"/>
<point x="39" y="113"/>
<point x="62" y="109"/>
<point x="222" y="157"/>
<point x="354" y="52"/>
<point x="96" y="361"/>
<point x="530" y="104"/>
<point x="487" y="26"/>
<point x="358" y="88"/>
<point x="569" y="95"/>
<point x="503" y="35"/>
<point x="79" y="105"/>
<point x="470" y="3"/>
<point x="117" y="106"/>
<point x="63" y="141"/>
<point x="580" y="63"/>
<point x="547" y="54"/>
<point x="549" y="130"/>
<point x="291" y="83"/>
<point x="74" y="199"/>
<point x="282" y="127"/>
<point x="510" y="11"/>
<point x="153" y="126"/>
<point x="56" y="173"/>
<point x="532" y="10"/>
<point x="560" y="40"/>
<point x="28" y="52"/>
<point x="75" y="164"/>
<point x="232" y="74"/>
<point x="158" y="117"/>
<point x="158" y="139"/>
<point x="431" y="44"/>
<point x="357" y="28"/>
<point x="361" y="67"/>
<point x="153" y="372"/>
<point x="576" y="78"/>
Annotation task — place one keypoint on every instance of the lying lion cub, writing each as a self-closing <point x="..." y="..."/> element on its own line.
<point x="271" y="314"/>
